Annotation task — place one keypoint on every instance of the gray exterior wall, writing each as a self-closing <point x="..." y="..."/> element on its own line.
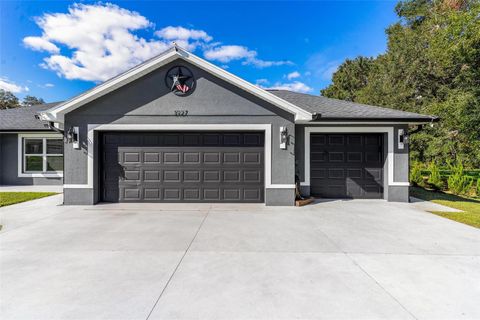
<point x="401" y="160"/>
<point x="9" y="164"/>
<point x="148" y="101"/>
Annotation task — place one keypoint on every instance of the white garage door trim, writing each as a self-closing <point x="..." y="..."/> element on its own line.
<point x="390" y="154"/>
<point x="266" y="128"/>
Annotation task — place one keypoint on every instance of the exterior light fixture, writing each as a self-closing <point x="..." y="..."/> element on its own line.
<point x="73" y="137"/>
<point x="402" y="138"/>
<point x="283" y="138"/>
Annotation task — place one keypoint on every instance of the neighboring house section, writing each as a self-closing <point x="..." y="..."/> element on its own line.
<point x="179" y="129"/>
<point x="30" y="152"/>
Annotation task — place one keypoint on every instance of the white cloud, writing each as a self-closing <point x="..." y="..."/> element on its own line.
<point x="265" y="63"/>
<point x="296" y="86"/>
<point x="8" y="85"/>
<point x="46" y="85"/>
<point x="227" y="53"/>
<point x="322" y="68"/>
<point x="262" y="82"/>
<point x="40" y="44"/>
<point x="100" y="39"/>
<point x="95" y="42"/>
<point x="181" y="33"/>
<point x="293" y="75"/>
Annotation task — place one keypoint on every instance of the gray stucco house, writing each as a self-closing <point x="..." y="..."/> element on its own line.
<point x="179" y="129"/>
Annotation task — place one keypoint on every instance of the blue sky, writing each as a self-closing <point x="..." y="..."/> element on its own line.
<point x="57" y="49"/>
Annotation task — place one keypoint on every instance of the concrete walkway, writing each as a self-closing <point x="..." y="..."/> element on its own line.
<point x="365" y="259"/>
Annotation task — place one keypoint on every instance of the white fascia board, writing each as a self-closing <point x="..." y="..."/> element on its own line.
<point x="57" y="113"/>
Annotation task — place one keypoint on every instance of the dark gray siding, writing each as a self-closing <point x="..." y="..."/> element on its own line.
<point x="148" y="101"/>
<point x="9" y="164"/>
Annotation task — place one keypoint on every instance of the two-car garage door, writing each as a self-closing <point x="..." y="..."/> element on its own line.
<point x="182" y="167"/>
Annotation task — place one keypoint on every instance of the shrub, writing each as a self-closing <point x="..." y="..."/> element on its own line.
<point x="416" y="177"/>
<point x="458" y="182"/>
<point x="477" y="191"/>
<point x="435" y="180"/>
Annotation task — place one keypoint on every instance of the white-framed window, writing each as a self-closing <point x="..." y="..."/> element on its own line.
<point x="40" y="155"/>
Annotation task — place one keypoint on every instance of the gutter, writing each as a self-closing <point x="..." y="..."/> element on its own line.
<point x="351" y="119"/>
<point x="51" y="125"/>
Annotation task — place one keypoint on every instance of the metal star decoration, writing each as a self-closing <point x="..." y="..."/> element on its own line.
<point x="179" y="80"/>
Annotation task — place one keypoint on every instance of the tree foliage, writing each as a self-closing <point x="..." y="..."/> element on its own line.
<point x="431" y="66"/>
<point x="9" y="101"/>
<point x="31" y="101"/>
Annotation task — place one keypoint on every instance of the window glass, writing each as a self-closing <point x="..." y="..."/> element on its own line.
<point x="33" y="146"/>
<point x="34" y="163"/>
<point x="54" y="146"/>
<point x="54" y="163"/>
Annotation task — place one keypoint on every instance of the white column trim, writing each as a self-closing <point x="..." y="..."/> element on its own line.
<point x="266" y="128"/>
<point x="390" y="148"/>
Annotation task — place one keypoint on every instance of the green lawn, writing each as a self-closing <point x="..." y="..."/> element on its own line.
<point x="8" y="198"/>
<point x="469" y="206"/>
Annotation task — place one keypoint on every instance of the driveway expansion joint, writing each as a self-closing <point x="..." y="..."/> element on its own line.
<point x="380" y="286"/>
<point x="178" y="265"/>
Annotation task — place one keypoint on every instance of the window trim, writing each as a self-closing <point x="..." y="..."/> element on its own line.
<point x="21" y="163"/>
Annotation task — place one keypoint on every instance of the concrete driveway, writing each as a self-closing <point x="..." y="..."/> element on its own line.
<point x="332" y="260"/>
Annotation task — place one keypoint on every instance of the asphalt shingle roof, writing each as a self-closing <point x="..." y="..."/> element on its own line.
<point x="23" y="118"/>
<point x="333" y="109"/>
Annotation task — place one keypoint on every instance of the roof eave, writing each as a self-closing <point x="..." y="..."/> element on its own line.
<point x="421" y="120"/>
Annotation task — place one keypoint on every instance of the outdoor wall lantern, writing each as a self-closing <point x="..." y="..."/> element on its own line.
<point x="283" y="138"/>
<point x="73" y="137"/>
<point x="402" y="138"/>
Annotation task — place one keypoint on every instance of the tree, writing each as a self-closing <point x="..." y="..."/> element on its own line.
<point x="350" y="78"/>
<point x="8" y="100"/>
<point x="431" y="66"/>
<point x="31" y="101"/>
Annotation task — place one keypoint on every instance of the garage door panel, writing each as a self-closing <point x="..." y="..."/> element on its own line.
<point x="152" y="193"/>
<point x="151" y="157"/>
<point x="354" y="141"/>
<point x="175" y="167"/>
<point x="346" y="165"/>
<point x="336" y="140"/>
<point x="152" y="175"/>
<point x="231" y="194"/>
<point x="171" y="194"/>
<point x="191" y="194"/>
<point x="231" y="158"/>
<point x="355" y="156"/>
<point x="192" y="176"/>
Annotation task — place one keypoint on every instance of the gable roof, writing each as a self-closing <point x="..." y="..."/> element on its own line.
<point x="23" y="118"/>
<point x="333" y="109"/>
<point x="56" y="113"/>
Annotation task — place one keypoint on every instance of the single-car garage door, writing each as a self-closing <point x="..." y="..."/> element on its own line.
<point x="346" y="165"/>
<point x="182" y="167"/>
